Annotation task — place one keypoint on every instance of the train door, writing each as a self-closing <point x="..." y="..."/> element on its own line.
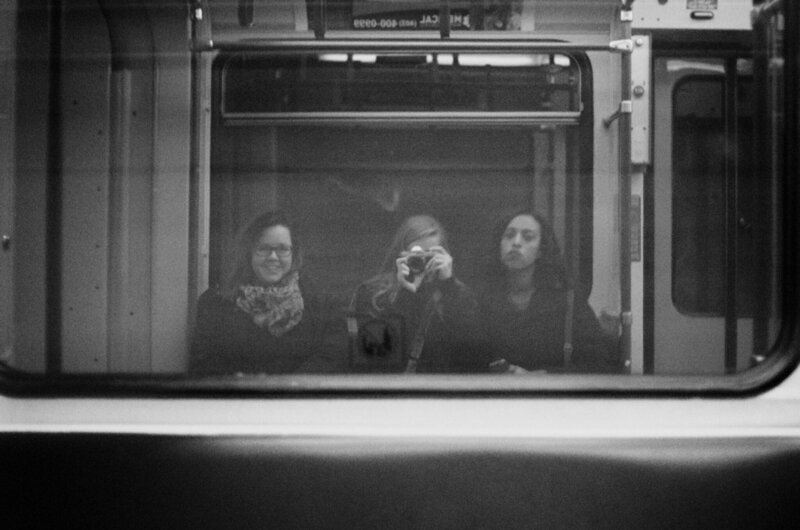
<point x="705" y="218"/>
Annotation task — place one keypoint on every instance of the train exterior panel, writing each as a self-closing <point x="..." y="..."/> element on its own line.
<point x="658" y="138"/>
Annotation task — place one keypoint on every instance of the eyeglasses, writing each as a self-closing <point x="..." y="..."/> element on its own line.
<point x="264" y="251"/>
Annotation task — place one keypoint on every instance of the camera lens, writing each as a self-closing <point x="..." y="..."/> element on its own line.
<point x="416" y="264"/>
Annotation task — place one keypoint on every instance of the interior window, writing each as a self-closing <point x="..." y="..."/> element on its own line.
<point x="706" y="184"/>
<point x="358" y="183"/>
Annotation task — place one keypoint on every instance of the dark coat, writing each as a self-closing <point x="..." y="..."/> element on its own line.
<point x="227" y="341"/>
<point x="453" y="343"/>
<point x="534" y="338"/>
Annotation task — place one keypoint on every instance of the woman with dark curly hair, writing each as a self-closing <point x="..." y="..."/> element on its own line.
<point x="534" y="321"/>
<point x="267" y="318"/>
<point x="416" y="285"/>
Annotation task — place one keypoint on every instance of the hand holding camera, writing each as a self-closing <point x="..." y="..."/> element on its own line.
<point x="418" y="265"/>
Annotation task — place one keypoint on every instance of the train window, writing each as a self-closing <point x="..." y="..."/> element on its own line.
<point x="417" y="129"/>
<point x="399" y="83"/>
<point x="351" y="195"/>
<point x="705" y="124"/>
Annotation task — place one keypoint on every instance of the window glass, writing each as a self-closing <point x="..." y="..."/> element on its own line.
<point x="261" y="191"/>
<point x="336" y="82"/>
<point x="706" y="182"/>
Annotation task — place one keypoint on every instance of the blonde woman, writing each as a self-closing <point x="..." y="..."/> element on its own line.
<point x="416" y="283"/>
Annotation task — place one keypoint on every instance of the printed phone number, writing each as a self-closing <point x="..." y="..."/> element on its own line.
<point x="383" y="23"/>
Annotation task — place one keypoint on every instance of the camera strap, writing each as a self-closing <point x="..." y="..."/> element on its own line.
<point x="568" y="314"/>
<point x="418" y="342"/>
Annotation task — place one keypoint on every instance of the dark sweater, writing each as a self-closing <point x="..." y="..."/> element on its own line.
<point x="227" y="341"/>
<point x="534" y="338"/>
<point x="453" y="343"/>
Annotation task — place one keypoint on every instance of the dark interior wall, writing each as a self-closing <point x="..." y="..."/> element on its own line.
<point x="352" y="187"/>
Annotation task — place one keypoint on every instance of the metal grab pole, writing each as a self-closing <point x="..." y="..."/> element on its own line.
<point x="55" y="206"/>
<point x="731" y="215"/>
<point x="624" y="124"/>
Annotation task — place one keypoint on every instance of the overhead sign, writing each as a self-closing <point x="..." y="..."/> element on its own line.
<point x="411" y="20"/>
<point x="495" y="15"/>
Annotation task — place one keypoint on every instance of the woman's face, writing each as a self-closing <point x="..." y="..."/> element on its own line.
<point x="272" y="255"/>
<point x="520" y="244"/>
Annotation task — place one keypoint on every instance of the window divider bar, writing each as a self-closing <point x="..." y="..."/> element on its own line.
<point x="423" y="117"/>
<point x="295" y="46"/>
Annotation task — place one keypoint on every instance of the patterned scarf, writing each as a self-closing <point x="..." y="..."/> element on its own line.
<point x="277" y="307"/>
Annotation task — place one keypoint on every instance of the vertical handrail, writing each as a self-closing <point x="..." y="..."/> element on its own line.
<point x="791" y="169"/>
<point x="624" y="125"/>
<point x="53" y="236"/>
<point x="731" y="214"/>
<point x="763" y="160"/>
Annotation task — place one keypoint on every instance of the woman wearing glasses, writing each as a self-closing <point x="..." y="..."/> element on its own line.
<point x="266" y="317"/>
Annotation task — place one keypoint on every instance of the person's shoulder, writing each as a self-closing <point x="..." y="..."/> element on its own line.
<point x="454" y="285"/>
<point x="315" y="296"/>
<point x="213" y="308"/>
<point x="488" y="290"/>
<point x="311" y="288"/>
<point x="212" y="293"/>
<point x="459" y="284"/>
<point x="212" y="297"/>
<point x="376" y="284"/>
<point x="579" y="294"/>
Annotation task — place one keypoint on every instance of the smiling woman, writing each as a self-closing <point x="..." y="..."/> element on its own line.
<point x="266" y="318"/>
<point x="272" y="258"/>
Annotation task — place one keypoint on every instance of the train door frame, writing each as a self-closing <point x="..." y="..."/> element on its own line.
<point x="8" y="47"/>
<point x="675" y="331"/>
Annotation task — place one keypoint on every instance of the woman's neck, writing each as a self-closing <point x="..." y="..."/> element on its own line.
<point x="520" y="281"/>
<point x="520" y="288"/>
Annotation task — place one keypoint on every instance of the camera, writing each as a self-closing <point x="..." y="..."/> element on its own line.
<point x="417" y="260"/>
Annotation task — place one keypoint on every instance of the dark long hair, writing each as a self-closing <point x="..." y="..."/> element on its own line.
<point x="550" y="271"/>
<point x="241" y="270"/>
